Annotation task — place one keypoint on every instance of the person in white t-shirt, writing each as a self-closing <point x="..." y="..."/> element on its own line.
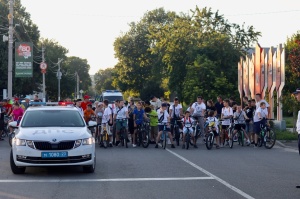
<point x="175" y="114"/>
<point x="226" y="115"/>
<point x="107" y="120"/>
<point x="260" y="116"/>
<point x="198" y="111"/>
<point x="297" y="95"/>
<point x="163" y="118"/>
<point x="258" y="100"/>
<point x="120" y="116"/>
<point x="78" y="106"/>
<point x="213" y="123"/>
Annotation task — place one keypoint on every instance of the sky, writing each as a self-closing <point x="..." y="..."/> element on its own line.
<point x="89" y="28"/>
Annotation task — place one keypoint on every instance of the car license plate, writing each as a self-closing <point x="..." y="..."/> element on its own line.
<point x="62" y="154"/>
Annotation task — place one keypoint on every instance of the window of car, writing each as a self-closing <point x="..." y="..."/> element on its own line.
<point x="52" y="118"/>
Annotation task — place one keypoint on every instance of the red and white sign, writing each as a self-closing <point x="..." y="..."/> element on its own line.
<point x="43" y="66"/>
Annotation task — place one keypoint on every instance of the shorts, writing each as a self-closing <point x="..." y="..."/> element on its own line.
<point x="154" y="130"/>
<point x="107" y="127"/>
<point x="120" y="124"/>
<point x="239" y="126"/>
<point x="256" y="127"/>
<point x="225" y="126"/>
<point x="161" y="128"/>
<point x="185" y="130"/>
<point x="249" y="128"/>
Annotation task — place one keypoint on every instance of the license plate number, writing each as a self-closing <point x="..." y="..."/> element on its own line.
<point x="54" y="154"/>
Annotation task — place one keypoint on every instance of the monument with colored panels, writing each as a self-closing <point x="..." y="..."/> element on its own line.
<point x="263" y="71"/>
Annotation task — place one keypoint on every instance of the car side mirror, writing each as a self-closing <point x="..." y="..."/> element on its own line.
<point x="13" y="124"/>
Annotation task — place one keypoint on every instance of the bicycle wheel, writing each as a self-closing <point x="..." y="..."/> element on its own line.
<point x="270" y="140"/>
<point x="187" y="140"/>
<point x="209" y="141"/>
<point x="230" y="138"/>
<point x="260" y="140"/>
<point x="241" y="138"/>
<point x="164" y="139"/>
<point x="177" y="135"/>
<point x="145" y="139"/>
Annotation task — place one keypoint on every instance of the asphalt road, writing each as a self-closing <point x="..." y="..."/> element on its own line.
<point x="241" y="172"/>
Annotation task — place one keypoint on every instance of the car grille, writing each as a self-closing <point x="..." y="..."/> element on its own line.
<point x="64" y="145"/>
<point x="39" y="160"/>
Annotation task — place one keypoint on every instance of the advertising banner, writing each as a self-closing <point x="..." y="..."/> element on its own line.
<point x="23" y="59"/>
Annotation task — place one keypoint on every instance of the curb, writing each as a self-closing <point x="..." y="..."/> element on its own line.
<point x="280" y="144"/>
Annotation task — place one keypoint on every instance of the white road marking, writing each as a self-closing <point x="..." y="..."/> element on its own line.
<point x="109" y="180"/>
<point x="238" y="191"/>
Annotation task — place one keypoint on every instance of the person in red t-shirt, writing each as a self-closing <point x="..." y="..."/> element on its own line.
<point x="7" y="108"/>
<point x="85" y="102"/>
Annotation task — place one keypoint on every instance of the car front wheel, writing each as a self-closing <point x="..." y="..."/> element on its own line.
<point x="15" y="169"/>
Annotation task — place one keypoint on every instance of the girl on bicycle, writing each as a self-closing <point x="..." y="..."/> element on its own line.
<point x="213" y="123"/>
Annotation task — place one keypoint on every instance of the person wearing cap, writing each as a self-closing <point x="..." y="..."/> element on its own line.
<point x="86" y="101"/>
<point x="163" y="118"/>
<point x="297" y="95"/>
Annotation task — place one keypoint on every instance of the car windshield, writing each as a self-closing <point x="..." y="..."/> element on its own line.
<point x="112" y="99"/>
<point x="52" y="118"/>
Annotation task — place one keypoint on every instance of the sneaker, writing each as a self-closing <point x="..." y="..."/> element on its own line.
<point x="168" y="141"/>
<point x="248" y="143"/>
<point x="156" y="146"/>
<point x="235" y="138"/>
<point x="134" y="145"/>
<point x="195" y="146"/>
<point x="221" y="146"/>
<point x="110" y="144"/>
<point x="117" y="143"/>
<point x="172" y="146"/>
<point x="183" y="146"/>
<point x="227" y="143"/>
<point x="217" y="147"/>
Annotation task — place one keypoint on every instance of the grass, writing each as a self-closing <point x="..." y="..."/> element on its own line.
<point x="289" y="122"/>
<point x="286" y="135"/>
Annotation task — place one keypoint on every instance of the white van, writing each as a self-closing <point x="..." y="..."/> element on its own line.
<point x="111" y="96"/>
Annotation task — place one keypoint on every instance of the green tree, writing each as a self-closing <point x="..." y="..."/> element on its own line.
<point x="104" y="80"/>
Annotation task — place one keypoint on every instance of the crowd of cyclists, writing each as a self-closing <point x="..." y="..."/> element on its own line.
<point x="247" y="117"/>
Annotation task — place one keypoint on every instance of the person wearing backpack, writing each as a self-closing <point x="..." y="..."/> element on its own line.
<point x="198" y="112"/>
<point x="187" y="122"/>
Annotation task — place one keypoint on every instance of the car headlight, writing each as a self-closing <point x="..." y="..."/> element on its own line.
<point x="77" y="143"/>
<point x="30" y="143"/>
<point x="20" y="142"/>
<point x="87" y="141"/>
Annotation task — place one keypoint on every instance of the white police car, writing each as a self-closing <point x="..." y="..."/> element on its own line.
<point x="52" y="136"/>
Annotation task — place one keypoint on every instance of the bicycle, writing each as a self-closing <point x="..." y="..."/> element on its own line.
<point x="188" y="135"/>
<point x="240" y="135"/>
<point x="176" y="130"/>
<point x="123" y="132"/>
<point x="164" y="136"/>
<point x="228" y="135"/>
<point x="5" y="132"/>
<point x="103" y="137"/>
<point x="210" y="136"/>
<point x="267" y="136"/>
<point x="198" y="132"/>
<point x="143" y="137"/>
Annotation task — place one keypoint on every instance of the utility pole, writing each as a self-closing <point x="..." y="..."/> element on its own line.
<point x="58" y="75"/>
<point x="10" y="47"/>
<point x="43" y="60"/>
<point x="77" y="78"/>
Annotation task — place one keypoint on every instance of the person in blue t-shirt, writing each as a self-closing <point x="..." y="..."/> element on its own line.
<point x="138" y="117"/>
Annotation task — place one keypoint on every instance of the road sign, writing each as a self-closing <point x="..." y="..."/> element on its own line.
<point x="81" y="91"/>
<point x="43" y="66"/>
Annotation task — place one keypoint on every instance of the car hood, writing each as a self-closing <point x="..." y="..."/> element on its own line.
<point x="50" y="133"/>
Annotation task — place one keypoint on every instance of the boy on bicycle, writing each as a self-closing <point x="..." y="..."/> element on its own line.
<point x="226" y="115"/>
<point x="163" y="117"/>
<point x="188" y="122"/>
<point x="138" y="117"/>
<point x="213" y="123"/>
<point x="121" y="116"/>
<point x="260" y="116"/>
<point x="239" y="118"/>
